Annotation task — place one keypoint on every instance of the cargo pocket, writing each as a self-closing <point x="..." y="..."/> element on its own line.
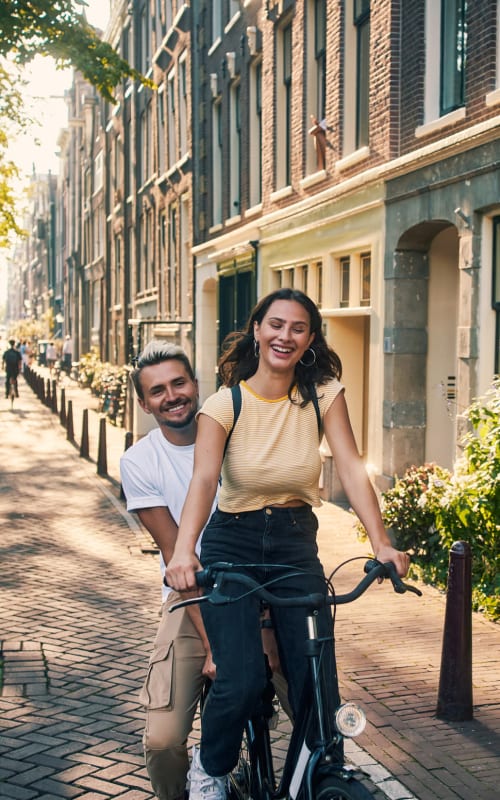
<point x="157" y="689"/>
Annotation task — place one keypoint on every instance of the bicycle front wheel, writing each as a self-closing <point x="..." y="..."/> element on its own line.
<point x="333" y="787"/>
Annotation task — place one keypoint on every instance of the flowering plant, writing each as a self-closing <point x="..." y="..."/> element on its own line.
<point x="429" y="508"/>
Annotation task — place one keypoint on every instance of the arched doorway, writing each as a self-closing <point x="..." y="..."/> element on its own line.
<point x="440" y="434"/>
<point x="420" y="348"/>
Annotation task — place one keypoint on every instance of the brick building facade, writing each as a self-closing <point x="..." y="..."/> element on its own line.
<point x="345" y="147"/>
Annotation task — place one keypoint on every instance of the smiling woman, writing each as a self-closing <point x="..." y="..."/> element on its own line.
<point x="270" y="482"/>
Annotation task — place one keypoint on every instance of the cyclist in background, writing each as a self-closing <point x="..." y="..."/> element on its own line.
<point x="12" y="363"/>
<point x="270" y="481"/>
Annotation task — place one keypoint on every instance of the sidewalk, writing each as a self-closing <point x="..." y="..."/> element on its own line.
<point x="79" y="598"/>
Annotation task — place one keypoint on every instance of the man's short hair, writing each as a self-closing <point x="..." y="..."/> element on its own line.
<point x="156" y="352"/>
<point x="12" y="342"/>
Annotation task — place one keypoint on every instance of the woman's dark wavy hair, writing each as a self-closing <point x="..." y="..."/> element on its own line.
<point x="238" y="360"/>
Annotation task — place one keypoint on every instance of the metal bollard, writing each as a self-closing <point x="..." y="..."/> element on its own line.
<point x="54" y="397"/>
<point x="62" y="412"/>
<point x="84" y="443"/>
<point x="70" y="434"/>
<point x="48" y="399"/>
<point x="102" y="459"/>
<point x="455" y="682"/>
<point x="129" y="440"/>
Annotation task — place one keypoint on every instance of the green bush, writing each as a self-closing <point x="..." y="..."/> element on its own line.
<point x="429" y="508"/>
<point x="106" y="381"/>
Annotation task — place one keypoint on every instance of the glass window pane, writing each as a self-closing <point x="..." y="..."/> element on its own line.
<point x="345" y="270"/>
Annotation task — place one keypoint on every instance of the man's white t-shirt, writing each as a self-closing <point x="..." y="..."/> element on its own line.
<point x="155" y="473"/>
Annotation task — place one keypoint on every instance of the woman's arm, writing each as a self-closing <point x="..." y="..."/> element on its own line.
<point x="208" y="455"/>
<point x="356" y="483"/>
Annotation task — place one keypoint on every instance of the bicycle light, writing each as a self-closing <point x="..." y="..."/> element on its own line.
<point x="350" y="720"/>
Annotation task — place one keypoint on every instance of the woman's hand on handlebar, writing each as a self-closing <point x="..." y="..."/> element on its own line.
<point x="400" y="560"/>
<point x="180" y="572"/>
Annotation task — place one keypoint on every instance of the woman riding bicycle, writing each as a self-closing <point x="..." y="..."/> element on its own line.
<point x="270" y="480"/>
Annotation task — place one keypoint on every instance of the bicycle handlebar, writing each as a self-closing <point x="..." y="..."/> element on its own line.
<point x="212" y="578"/>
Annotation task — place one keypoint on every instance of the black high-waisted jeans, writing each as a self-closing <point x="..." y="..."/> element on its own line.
<point x="270" y="535"/>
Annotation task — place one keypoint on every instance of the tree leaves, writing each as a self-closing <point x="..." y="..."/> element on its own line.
<point x="54" y="28"/>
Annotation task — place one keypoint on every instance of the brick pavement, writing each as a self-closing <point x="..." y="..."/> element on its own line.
<point x="79" y="606"/>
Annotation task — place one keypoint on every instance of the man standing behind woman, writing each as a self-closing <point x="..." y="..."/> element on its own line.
<point x="270" y="482"/>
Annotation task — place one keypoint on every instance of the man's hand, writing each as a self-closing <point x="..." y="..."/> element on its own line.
<point x="209" y="668"/>
<point x="180" y="571"/>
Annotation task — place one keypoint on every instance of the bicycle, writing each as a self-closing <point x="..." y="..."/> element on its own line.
<point x="310" y="772"/>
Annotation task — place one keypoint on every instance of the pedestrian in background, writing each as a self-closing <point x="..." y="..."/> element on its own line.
<point x="67" y="354"/>
<point x="12" y="363"/>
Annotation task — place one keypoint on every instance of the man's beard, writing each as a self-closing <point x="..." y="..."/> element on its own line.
<point x="179" y="425"/>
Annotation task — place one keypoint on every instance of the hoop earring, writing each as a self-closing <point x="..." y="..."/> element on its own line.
<point x="256" y="349"/>
<point x="310" y="363"/>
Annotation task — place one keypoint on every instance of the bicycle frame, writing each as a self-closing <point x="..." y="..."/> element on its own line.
<point x="302" y="762"/>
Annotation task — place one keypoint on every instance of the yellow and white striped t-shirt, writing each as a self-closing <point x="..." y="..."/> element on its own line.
<point x="273" y="453"/>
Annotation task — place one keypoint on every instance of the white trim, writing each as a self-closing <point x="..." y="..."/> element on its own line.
<point x="440" y="123"/>
<point x="279" y="194"/>
<point x="311" y="180"/>
<point x="353" y="158"/>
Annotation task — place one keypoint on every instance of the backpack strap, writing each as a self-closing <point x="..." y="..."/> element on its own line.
<point x="236" y="398"/>
<point x="314" y="399"/>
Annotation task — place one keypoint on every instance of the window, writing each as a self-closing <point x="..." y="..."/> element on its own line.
<point x="141" y="128"/>
<point x="352" y="287"/>
<point x="147" y="143"/>
<point x="172" y="138"/>
<point x="162" y="131"/>
<point x="117" y="169"/>
<point x="98" y="228"/>
<point x="172" y="262"/>
<point x="149" y="250"/>
<point x="284" y="107"/>
<point x="169" y="14"/>
<point x="118" y="270"/>
<point x="183" y="106"/>
<point x="366" y="268"/>
<point x="345" y="280"/>
<point x="159" y="24"/>
<point x="234" y="143"/>
<point x="162" y="254"/>
<point x="255" y="150"/>
<point x="445" y="57"/>
<point x="453" y="54"/>
<point x="216" y="19"/>
<point x="356" y="81"/>
<point x="320" y="57"/>
<point x="362" y="24"/>
<point x="315" y="90"/>
<point x="98" y="171"/>
<point x="145" y="40"/>
<point x="306" y="277"/>
<point x="185" y="288"/>
<point x="217" y="163"/>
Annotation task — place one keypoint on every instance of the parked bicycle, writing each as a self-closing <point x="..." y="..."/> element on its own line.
<point x="311" y="770"/>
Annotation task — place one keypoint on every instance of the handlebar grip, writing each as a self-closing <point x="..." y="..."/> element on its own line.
<point x="389" y="571"/>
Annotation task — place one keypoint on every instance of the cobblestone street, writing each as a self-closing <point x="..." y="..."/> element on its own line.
<point x="79" y="594"/>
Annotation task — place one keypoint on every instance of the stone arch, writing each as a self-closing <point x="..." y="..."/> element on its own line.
<point x="415" y="285"/>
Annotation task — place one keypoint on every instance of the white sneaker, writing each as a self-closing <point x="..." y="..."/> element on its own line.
<point x="201" y="785"/>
